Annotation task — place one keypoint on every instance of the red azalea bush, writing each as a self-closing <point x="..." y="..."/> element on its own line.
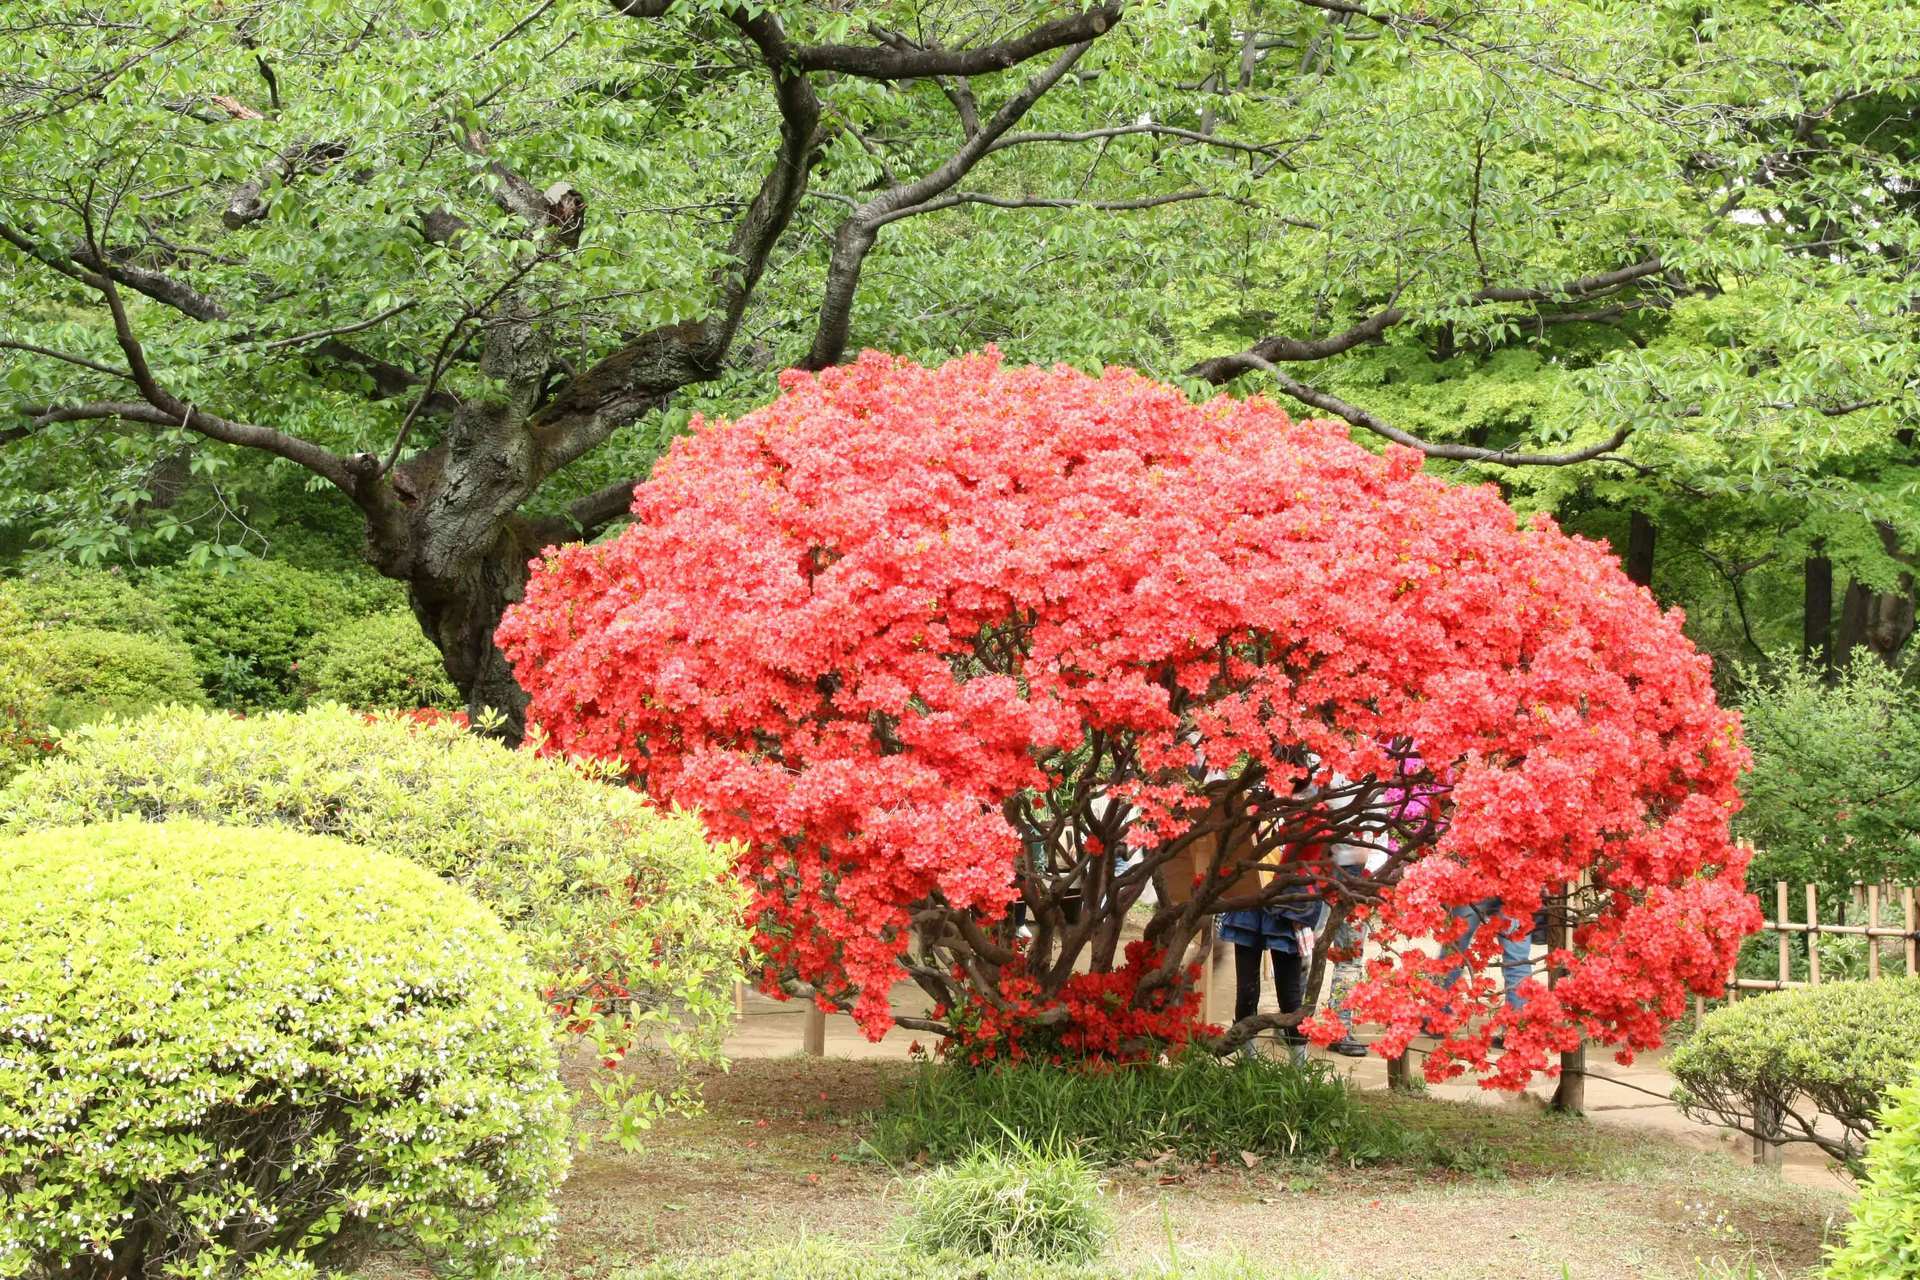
<point x="928" y="640"/>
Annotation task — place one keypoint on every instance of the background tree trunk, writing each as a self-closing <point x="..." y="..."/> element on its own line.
<point x="1640" y="549"/>
<point x="1816" y="623"/>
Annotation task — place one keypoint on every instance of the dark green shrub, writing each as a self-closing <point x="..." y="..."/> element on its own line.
<point x="248" y="626"/>
<point x="89" y="674"/>
<point x="72" y="596"/>
<point x="633" y="918"/>
<point x="1195" y="1107"/>
<point x="1883" y="1237"/>
<point x="380" y="663"/>
<point x="1772" y="1065"/>
<point x="1027" y="1203"/>
<point x="233" y="1052"/>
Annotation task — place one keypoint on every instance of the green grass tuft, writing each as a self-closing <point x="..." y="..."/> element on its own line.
<point x="1026" y="1203"/>
<point x="1194" y="1108"/>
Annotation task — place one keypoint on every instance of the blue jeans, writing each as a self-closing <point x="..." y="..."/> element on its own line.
<point x="1516" y="953"/>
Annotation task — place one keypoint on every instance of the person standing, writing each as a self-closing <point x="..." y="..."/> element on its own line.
<point x="1516" y="949"/>
<point x="1284" y="934"/>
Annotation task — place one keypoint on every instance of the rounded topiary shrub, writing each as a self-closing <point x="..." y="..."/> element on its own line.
<point x="73" y="596"/>
<point x="633" y="918"/>
<point x="88" y="673"/>
<point x="384" y="662"/>
<point x="229" y="1052"/>
<point x="1883" y="1239"/>
<point x="249" y="624"/>
<point x="1774" y="1064"/>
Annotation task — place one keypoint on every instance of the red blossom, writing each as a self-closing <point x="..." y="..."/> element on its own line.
<point x="850" y="627"/>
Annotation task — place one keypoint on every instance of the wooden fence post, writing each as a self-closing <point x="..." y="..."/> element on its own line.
<point x="813" y="1040"/>
<point x="1780" y="919"/>
<point x="1913" y="945"/>
<point x="1873" y="930"/>
<point x="1813" y="936"/>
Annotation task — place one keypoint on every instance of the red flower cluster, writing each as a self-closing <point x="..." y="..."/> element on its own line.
<point x="1101" y="1016"/>
<point x="851" y="627"/>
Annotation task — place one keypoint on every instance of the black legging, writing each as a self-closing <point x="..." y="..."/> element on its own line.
<point x="1288" y="980"/>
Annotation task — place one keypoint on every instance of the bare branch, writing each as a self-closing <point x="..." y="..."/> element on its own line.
<point x="301" y="339"/>
<point x="960" y="94"/>
<point x="321" y="462"/>
<point x="1455" y="452"/>
<point x="1219" y="369"/>
<point x="1150" y="129"/>
<point x="1046" y="202"/>
<point x="82" y="361"/>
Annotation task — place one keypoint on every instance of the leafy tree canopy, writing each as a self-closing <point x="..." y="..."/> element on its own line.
<point x="465" y="267"/>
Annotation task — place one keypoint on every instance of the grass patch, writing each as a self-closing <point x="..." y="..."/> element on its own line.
<point x="1025" y="1204"/>
<point x="1196" y="1108"/>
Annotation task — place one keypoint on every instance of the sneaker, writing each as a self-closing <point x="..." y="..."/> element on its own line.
<point x="1348" y="1047"/>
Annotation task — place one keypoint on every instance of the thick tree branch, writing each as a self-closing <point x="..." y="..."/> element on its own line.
<point x="645" y="370"/>
<point x="248" y="202"/>
<point x="856" y="236"/>
<point x="322" y="462"/>
<point x="602" y="507"/>
<point x="1455" y="452"/>
<point x="905" y="61"/>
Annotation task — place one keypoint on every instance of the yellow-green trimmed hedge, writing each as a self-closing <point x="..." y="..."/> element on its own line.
<point x="633" y="919"/>
<point x="248" y="1052"/>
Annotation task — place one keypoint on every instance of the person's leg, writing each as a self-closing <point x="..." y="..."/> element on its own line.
<point x="1289" y="974"/>
<point x="1246" y="980"/>
<point x="1475" y="915"/>
<point x="1350" y="944"/>
<point x="1516" y="958"/>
